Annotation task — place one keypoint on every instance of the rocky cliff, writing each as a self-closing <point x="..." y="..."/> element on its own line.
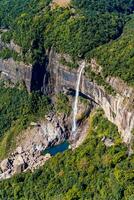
<point x="11" y="45"/>
<point x="16" y="72"/>
<point x="12" y="70"/>
<point x="118" y="109"/>
<point x="57" y="77"/>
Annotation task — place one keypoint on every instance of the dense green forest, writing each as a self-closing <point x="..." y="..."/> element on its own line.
<point x="91" y="172"/>
<point x="17" y="110"/>
<point x="118" y="6"/>
<point x="72" y="31"/>
<point x="117" y="57"/>
<point x="100" y="29"/>
<point x="76" y="30"/>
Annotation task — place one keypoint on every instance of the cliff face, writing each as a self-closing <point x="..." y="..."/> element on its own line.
<point x="16" y="72"/>
<point x="12" y="70"/>
<point x="118" y="109"/>
<point x="11" y="46"/>
<point x="57" y="77"/>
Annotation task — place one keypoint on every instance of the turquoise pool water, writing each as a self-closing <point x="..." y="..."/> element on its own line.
<point x="57" y="149"/>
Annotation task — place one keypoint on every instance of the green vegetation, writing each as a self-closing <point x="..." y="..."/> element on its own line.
<point x="7" y="53"/>
<point x="90" y="172"/>
<point x="74" y="31"/>
<point x="17" y="110"/>
<point x="62" y="104"/>
<point x="112" y="6"/>
<point x="24" y="24"/>
<point x="101" y="29"/>
<point x="70" y="64"/>
<point x="6" y="37"/>
<point x="117" y="57"/>
<point x="99" y="79"/>
<point x="77" y="30"/>
<point x="84" y="101"/>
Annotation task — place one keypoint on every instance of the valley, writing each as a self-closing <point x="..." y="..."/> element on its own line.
<point x="66" y="100"/>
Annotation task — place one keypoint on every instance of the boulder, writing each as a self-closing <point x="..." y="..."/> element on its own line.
<point x="47" y="156"/>
<point x="108" y="142"/>
<point x="34" y="124"/>
<point x="5" y="165"/>
<point x="19" y="164"/>
<point x="19" y="150"/>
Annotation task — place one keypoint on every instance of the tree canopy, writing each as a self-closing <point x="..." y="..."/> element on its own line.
<point x="93" y="171"/>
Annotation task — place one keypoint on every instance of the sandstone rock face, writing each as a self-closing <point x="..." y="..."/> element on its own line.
<point x="118" y="109"/>
<point x="115" y="109"/>
<point x="12" y="70"/>
<point x="44" y="134"/>
<point x="16" y="72"/>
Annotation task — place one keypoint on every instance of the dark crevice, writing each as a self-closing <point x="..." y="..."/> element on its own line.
<point x="38" y="73"/>
<point x="72" y="92"/>
<point x="40" y="63"/>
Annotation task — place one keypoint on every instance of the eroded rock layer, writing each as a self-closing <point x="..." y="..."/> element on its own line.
<point x="118" y="109"/>
<point x="58" y="77"/>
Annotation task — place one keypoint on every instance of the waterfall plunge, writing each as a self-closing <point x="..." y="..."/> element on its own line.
<point x="75" y="106"/>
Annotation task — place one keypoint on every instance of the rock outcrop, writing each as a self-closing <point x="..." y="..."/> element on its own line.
<point x="16" y="72"/>
<point x="107" y="141"/>
<point x="28" y="154"/>
<point x="118" y="109"/>
<point x="5" y="165"/>
<point x="19" y="164"/>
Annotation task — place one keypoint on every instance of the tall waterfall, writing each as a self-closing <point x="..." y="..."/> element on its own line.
<point x="75" y="106"/>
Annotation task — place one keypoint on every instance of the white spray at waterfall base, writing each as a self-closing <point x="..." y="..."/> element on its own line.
<point x="75" y="106"/>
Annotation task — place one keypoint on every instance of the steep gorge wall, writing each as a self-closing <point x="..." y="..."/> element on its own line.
<point x="12" y="70"/>
<point x="57" y="77"/>
<point x="118" y="109"/>
<point x="16" y="72"/>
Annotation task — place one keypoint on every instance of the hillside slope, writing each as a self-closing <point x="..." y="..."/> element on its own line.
<point x="76" y="30"/>
<point x="117" y="57"/>
<point x="52" y="41"/>
<point x="93" y="171"/>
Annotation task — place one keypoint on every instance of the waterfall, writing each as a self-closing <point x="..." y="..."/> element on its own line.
<point x="75" y="106"/>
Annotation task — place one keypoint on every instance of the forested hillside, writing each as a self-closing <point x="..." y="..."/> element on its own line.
<point x="17" y="110"/>
<point x="102" y="30"/>
<point x="117" y="57"/>
<point x="76" y="30"/>
<point x="93" y="171"/>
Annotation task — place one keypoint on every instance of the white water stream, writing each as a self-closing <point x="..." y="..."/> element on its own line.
<point x="75" y="106"/>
